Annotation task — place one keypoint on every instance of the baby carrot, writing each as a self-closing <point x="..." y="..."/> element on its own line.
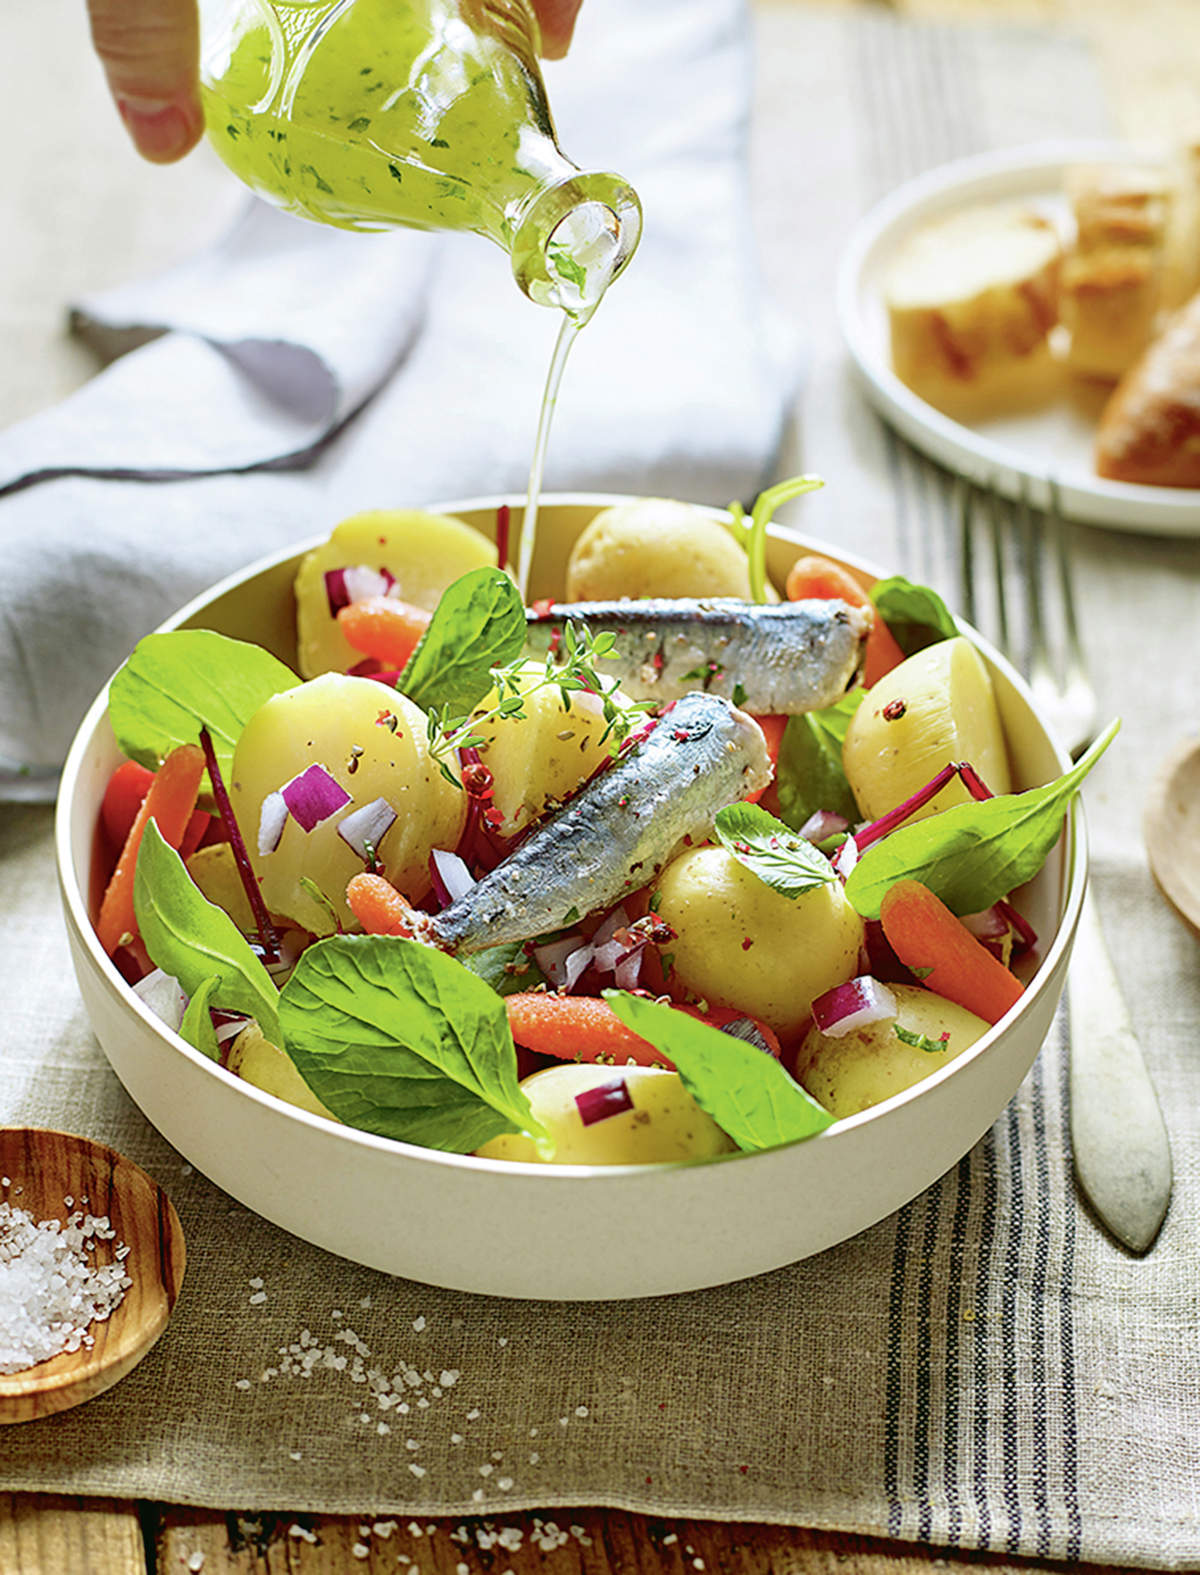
<point x="821" y="577"/>
<point x="384" y="628"/>
<point x="379" y="907"/>
<point x="577" y="1028"/>
<point x="772" y="730"/>
<point x="170" y="801"/>
<point x="123" y="796"/>
<point x="928" y="938"/>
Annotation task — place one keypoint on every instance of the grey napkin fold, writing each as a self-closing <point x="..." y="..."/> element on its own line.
<point x="302" y="373"/>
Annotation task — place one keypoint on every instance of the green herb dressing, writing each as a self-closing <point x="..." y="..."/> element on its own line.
<point x="423" y="114"/>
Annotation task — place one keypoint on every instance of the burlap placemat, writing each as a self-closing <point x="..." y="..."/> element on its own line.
<point x="985" y="1369"/>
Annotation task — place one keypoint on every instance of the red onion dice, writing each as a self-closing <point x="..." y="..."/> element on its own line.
<point x="603" y="1101"/>
<point x="371" y="823"/>
<point x="853" y="1005"/>
<point x="313" y="796"/>
<point x="271" y="820"/>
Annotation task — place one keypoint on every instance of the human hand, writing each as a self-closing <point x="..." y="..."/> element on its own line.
<point x="150" y="51"/>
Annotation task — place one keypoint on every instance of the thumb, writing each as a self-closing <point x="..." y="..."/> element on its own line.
<point x="557" y="20"/>
<point x="150" y="51"/>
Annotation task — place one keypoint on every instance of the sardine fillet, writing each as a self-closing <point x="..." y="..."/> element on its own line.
<point x="773" y="659"/>
<point x="618" y="831"/>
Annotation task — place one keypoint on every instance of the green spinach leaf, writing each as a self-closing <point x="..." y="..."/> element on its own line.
<point x="197" y="1027"/>
<point x="915" y="614"/>
<point x="396" y="1038"/>
<point x="809" y="774"/>
<point x="746" y="1092"/>
<point x="195" y="941"/>
<point x="179" y="681"/>
<point x="772" y="851"/>
<point x="973" y="854"/>
<point x="479" y="624"/>
<point x="508" y="968"/>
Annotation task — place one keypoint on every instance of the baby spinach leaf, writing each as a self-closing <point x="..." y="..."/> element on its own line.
<point x="771" y="850"/>
<point x="396" y="1038"/>
<point x="973" y="854"/>
<point x="915" y="614"/>
<point x="479" y="624"/>
<point x="179" y="681"/>
<point x="748" y="1094"/>
<point x="809" y="774"/>
<point x="194" y="940"/>
<point x="508" y="969"/>
<point x="197" y="1027"/>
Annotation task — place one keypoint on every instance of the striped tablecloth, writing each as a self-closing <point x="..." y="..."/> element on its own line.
<point x="983" y="1370"/>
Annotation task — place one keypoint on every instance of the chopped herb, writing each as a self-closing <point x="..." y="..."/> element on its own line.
<point x="360" y="123"/>
<point x="921" y="1041"/>
<point x="739" y="693"/>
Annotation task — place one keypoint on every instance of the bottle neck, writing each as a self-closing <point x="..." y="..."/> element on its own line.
<point x="572" y="238"/>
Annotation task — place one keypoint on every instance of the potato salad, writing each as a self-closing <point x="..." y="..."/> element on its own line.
<point x="679" y="864"/>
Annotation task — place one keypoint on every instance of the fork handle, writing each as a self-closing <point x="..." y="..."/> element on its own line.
<point x="1121" y="1150"/>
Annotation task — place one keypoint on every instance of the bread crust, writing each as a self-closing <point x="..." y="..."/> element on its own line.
<point x="1149" y="431"/>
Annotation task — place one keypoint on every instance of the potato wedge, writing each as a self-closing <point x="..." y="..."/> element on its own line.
<point x="372" y="742"/>
<point x="655" y="547"/>
<point x="936" y="707"/>
<point x="425" y="553"/>
<point x="742" y="944"/>
<point x="661" y="1122"/>
<point x="869" y="1065"/>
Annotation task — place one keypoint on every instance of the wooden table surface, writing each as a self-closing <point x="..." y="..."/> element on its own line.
<point x="1148" y="53"/>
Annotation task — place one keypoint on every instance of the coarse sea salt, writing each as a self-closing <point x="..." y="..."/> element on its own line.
<point x="51" y="1288"/>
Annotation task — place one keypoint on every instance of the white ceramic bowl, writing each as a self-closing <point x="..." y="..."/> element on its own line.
<point x="570" y="1232"/>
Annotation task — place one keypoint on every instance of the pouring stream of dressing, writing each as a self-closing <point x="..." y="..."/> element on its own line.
<point x="585" y="252"/>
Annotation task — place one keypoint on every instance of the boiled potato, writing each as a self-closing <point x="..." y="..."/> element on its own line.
<point x="936" y="707"/>
<point x="543" y="756"/>
<point x="425" y="552"/>
<point x="346" y="726"/>
<point x="655" y="548"/>
<point x="663" y="1121"/>
<point x="869" y="1065"/>
<point x="256" y="1060"/>
<point x="742" y="944"/>
<point x="215" y="871"/>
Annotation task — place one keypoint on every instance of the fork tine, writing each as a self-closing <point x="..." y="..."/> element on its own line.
<point x="963" y="505"/>
<point x="1029" y="526"/>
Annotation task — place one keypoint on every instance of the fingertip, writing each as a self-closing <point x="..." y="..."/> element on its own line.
<point x="162" y="132"/>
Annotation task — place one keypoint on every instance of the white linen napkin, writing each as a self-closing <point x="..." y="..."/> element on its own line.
<point x="302" y="373"/>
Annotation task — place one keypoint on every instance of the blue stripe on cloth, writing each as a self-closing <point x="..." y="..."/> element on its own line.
<point x="1010" y="1441"/>
<point x="895" y="1372"/>
<point x="1068" y="1417"/>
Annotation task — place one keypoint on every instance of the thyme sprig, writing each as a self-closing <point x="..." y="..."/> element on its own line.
<point x="570" y="668"/>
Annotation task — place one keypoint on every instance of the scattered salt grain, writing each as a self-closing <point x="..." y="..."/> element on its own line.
<point x="384" y="1528"/>
<point x="534" y="1458"/>
<point x="474" y="1415"/>
<point x="51" y="1290"/>
<point x="503" y="1340"/>
<point x="414" y="1530"/>
<point x="505" y="1484"/>
<point x="295" y="1454"/>
<point x="241" y="1383"/>
<point x="581" y="1410"/>
<point x="256" y="1284"/>
<point x="257" y="1298"/>
<point x="671" y="1539"/>
<point x="360" y="1550"/>
<point x="196" y="1562"/>
<point x="299" y="1533"/>
<point x="456" y="1438"/>
<point x="417" y="1471"/>
<point x="477" y="1496"/>
<point x="462" y="1569"/>
<point x="418" y="1324"/>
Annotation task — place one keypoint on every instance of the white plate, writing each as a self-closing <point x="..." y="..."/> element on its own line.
<point x="1009" y="451"/>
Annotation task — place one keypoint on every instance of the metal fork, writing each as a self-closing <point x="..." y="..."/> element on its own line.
<point x="1122" y="1155"/>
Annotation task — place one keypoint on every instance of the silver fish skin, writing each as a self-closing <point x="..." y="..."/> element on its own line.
<point x="772" y="658"/>
<point x="617" y="832"/>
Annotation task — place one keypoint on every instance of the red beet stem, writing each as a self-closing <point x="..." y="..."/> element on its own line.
<point x="266" y="930"/>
